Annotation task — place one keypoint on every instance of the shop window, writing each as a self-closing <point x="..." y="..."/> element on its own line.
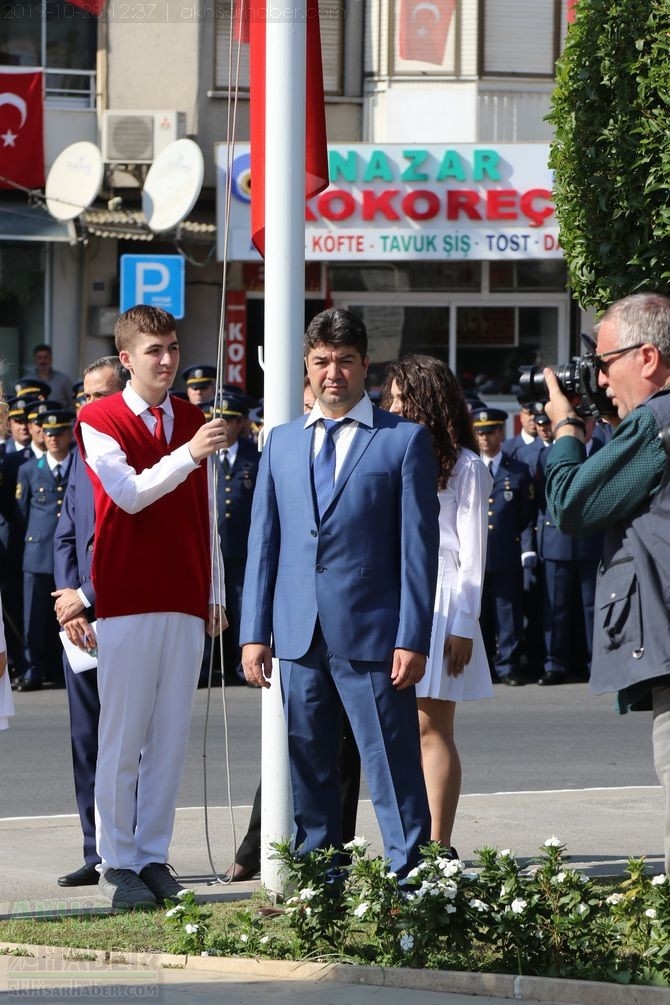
<point x="528" y="275"/>
<point x="22" y="323"/>
<point x="519" y="37"/>
<point x="417" y="277"/>
<point x="493" y="342"/>
<point x="396" y="330"/>
<point x="58" y="37"/>
<point x="331" y="18"/>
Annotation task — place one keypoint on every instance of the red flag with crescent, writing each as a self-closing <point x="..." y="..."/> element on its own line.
<point x="21" y="129"/>
<point x="424" y="28"/>
<point x="316" y="147"/>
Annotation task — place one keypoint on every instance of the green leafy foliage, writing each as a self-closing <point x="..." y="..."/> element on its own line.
<point x="610" y="155"/>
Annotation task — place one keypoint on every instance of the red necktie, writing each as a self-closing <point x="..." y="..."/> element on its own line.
<point x="159" y="431"/>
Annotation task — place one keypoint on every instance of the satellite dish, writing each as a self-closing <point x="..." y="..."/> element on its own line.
<point x="74" y="180"/>
<point x="173" y="185"/>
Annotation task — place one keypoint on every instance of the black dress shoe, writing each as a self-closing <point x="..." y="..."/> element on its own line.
<point x="512" y="680"/>
<point x="30" y="682"/>
<point x="88" y="875"/>
<point x="553" y="677"/>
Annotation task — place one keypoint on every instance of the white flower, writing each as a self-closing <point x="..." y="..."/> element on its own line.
<point x="406" y="942"/>
<point x="264" y="941"/>
<point x="391" y="875"/>
<point x="614" y="898"/>
<point x="478" y="905"/>
<point x="191" y="929"/>
<point x="204" y="953"/>
<point x="582" y="909"/>
<point x="518" y="905"/>
<point x="361" y="909"/>
<point x="244" y="937"/>
<point x="450" y="909"/>
<point x="357" y="845"/>
<point x="307" y="893"/>
<point x="449" y="890"/>
<point x="184" y="893"/>
<point x="413" y="873"/>
<point x="560" y="877"/>
<point x="505" y="853"/>
<point x="650" y="913"/>
<point x="308" y="911"/>
<point x="174" y="911"/>
<point x="553" y="842"/>
<point x="659" y="880"/>
<point x="450" y="866"/>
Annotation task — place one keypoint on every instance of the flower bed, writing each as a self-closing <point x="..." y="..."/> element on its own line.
<point x="547" y="920"/>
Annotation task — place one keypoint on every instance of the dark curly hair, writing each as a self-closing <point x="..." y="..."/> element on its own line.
<point x="432" y="396"/>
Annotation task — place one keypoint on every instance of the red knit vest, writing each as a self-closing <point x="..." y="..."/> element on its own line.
<point x="158" y="559"/>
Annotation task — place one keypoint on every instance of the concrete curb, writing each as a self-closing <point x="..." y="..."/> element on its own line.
<point x="548" y="990"/>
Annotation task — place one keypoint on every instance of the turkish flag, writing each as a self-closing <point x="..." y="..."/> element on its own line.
<point x="424" y="28"/>
<point x="93" y="7"/>
<point x="316" y="148"/>
<point x="21" y="130"/>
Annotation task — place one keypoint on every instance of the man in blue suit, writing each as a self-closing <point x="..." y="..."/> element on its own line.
<point x="340" y="576"/>
<point x="75" y="610"/>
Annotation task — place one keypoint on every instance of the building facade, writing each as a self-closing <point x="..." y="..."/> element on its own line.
<point x="438" y="224"/>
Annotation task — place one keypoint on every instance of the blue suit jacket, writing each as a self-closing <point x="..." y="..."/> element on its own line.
<point x="73" y="540"/>
<point x="368" y="571"/>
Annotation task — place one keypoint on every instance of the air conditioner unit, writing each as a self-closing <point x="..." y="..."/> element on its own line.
<point x="138" y="137"/>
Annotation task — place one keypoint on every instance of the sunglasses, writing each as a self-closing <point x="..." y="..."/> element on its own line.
<point x="604" y="365"/>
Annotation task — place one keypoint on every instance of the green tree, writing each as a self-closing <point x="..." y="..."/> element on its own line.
<point x="611" y="152"/>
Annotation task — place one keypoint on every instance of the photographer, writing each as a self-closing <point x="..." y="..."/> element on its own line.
<point x="624" y="490"/>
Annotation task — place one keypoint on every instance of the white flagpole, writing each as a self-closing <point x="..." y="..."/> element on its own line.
<point x="284" y="325"/>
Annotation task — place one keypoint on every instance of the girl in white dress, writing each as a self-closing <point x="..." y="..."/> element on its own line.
<point x="423" y="389"/>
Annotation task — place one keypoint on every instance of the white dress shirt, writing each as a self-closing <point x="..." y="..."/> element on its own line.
<point x="360" y="414"/>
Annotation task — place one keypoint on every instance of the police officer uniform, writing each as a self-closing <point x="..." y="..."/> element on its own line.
<point x="238" y="468"/>
<point x="199" y="376"/>
<point x="31" y="387"/>
<point x="40" y="491"/>
<point x="510" y="528"/>
<point x="570" y="566"/>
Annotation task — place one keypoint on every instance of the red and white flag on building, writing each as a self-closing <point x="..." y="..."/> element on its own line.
<point x="21" y="128"/>
<point x="424" y="29"/>
<point x="316" y="149"/>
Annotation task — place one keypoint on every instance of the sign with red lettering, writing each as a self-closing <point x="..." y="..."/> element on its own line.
<point x="435" y="203"/>
<point x="236" y="339"/>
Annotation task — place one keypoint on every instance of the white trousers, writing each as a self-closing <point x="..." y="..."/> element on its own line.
<point x="147" y="675"/>
<point x="661" y="744"/>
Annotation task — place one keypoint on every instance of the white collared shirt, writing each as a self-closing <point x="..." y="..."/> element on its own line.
<point x="493" y="460"/>
<point x="52" y="462"/>
<point x="360" y="414"/>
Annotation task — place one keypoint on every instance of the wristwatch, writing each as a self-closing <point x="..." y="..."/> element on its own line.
<point x="570" y="420"/>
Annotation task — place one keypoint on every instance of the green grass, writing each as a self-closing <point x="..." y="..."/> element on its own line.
<point x="135" y="931"/>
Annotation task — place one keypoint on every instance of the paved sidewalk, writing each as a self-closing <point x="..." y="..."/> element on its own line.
<point x="601" y="828"/>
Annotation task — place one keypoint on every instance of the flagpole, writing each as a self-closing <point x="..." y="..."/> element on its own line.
<point x="284" y="325"/>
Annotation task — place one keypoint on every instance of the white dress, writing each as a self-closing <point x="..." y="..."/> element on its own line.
<point x="463" y="536"/>
<point x="6" y="697"/>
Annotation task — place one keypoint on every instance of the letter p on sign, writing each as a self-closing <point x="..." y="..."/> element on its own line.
<point x="155" y="280"/>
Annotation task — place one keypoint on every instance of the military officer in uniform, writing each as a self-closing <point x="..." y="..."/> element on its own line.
<point x="31" y="388"/>
<point x="40" y="491"/>
<point x="200" y="383"/>
<point x="528" y="432"/>
<point x="238" y="468"/>
<point x="510" y="532"/>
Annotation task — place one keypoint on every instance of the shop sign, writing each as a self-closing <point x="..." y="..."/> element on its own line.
<point x="399" y="202"/>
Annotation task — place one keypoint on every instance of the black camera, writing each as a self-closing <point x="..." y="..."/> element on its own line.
<point x="578" y="380"/>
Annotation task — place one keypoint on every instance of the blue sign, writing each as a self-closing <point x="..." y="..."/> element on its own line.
<point x="154" y="280"/>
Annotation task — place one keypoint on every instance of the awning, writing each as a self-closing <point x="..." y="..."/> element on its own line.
<point x="29" y="223"/>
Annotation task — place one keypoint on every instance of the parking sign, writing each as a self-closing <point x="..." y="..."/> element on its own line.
<point x="155" y="280"/>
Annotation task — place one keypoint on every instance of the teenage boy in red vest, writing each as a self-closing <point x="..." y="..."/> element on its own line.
<point x="146" y="452"/>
